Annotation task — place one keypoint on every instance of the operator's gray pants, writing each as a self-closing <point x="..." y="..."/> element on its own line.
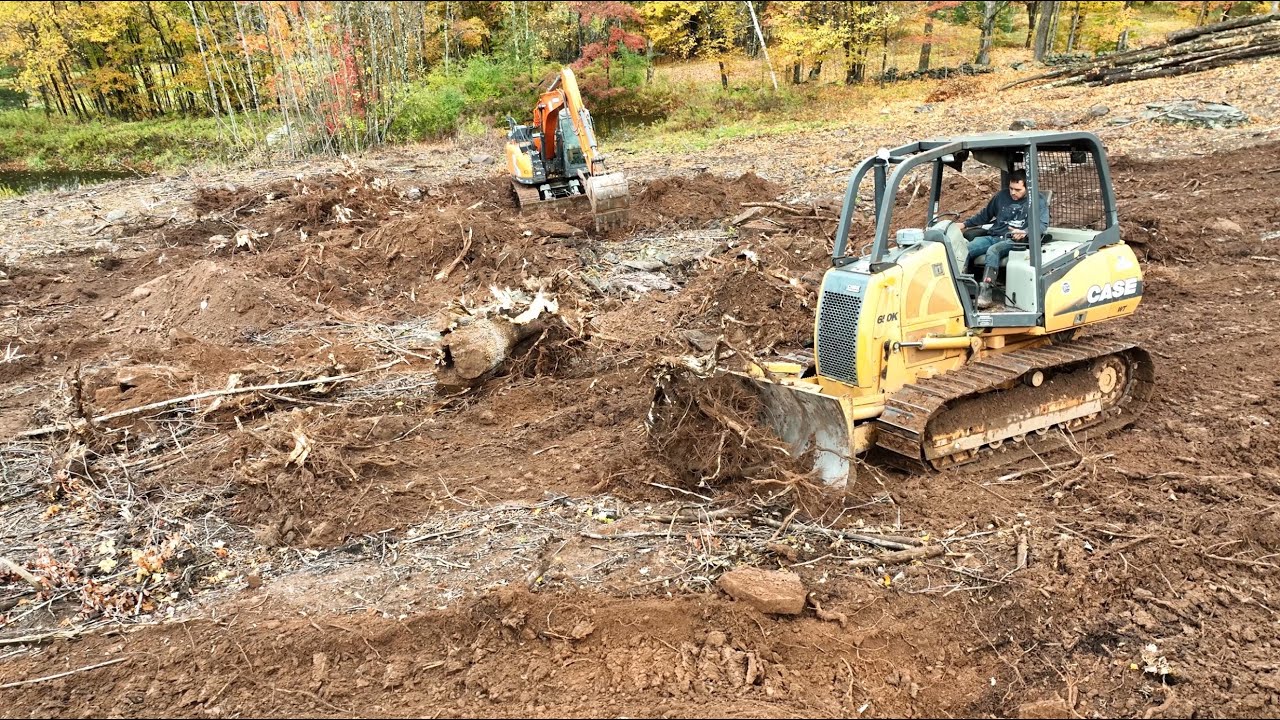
<point x="994" y="248"/>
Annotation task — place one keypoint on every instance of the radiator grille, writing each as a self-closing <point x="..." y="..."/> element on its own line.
<point x="838" y="336"/>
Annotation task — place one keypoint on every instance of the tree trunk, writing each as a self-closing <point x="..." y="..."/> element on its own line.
<point x="815" y="72"/>
<point x="1075" y="27"/>
<point x="755" y="22"/>
<point x="1204" y="11"/>
<point x="884" y="55"/>
<point x="1033" y="9"/>
<point x="724" y="76"/>
<point x="1123" y="43"/>
<point x="989" y="11"/>
<point x="927" y="48"/>
<point x="1044" y="41"/>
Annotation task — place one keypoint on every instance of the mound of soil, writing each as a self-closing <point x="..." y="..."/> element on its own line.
<point x="212" y="302"/>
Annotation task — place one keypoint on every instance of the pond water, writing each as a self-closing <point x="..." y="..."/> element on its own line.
<point x="25" y="181"/>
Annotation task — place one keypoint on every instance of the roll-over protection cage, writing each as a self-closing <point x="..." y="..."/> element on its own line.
<point x="1072" y="165"/>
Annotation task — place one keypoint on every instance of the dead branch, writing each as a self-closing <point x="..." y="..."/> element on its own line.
<point x="8" y="565"/>
<point x="897" y="558"/>
<point x="803" y="212"/>
<point x="46" y="678"/>
<point x="892" y="544"/>
<point x="466" y="248"/>
<point x="206" y="394"/>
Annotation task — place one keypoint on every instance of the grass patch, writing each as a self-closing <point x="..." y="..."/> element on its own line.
<point x="30" y="140"/>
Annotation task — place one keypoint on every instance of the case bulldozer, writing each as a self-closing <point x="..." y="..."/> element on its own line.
<point x="903" y="361"/>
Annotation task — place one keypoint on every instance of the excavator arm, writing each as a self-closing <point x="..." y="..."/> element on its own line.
<point x="582" y="124"/>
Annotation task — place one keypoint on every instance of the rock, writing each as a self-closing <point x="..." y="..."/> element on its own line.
<point x="140" y="292"/>
<point x="1226" y="226"/>
<point x="927" y="107"/>
<point x="643" y="265"/>
<point x="413" y="193"/>
<point x="612" y="257"/>
<point x="840" y="133"/>
<point x="254" y="581"/>
<point x="557" y="229"/>
<point x="1099" y="110"/>
<point x="1023" y="124"/>
<point x="746" y="215"/>
<point x="703" y="341"/>
<point x="779" y="592"/>
<point x="115" y="215"/>
<point x="1268" y="237"/>
<point x="108" y="315"/>
<point x="1054" y="707"/>
<point x="481" y="159"/>
<point x="716" y="639"/>
<point x="1196" y="113"/>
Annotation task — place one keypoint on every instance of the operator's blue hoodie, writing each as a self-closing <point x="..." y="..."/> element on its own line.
<point x="1006" y="214"/>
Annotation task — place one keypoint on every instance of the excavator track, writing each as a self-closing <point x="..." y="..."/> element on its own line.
<point x="1008" y="407"/>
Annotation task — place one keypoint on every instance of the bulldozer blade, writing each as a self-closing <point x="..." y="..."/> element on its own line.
<point x="809" y="421"/>
<point x="610" y="200"/>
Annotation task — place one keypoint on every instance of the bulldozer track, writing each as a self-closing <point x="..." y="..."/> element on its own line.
<point x="903" y="428"/>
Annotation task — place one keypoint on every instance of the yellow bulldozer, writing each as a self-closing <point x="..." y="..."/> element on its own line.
<point x="556" y="158"/>
<point x="903" y="360"/>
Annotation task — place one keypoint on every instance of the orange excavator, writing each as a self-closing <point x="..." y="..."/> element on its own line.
<point x="557" y="159"/>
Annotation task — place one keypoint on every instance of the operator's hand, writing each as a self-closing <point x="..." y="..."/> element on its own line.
<point x="1018" y="235"/>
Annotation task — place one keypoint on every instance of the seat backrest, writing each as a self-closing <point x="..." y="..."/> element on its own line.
<point x="954" y="233"/>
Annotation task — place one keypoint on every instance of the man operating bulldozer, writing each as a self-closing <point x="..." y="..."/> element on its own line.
<point x="1008" y="214"/>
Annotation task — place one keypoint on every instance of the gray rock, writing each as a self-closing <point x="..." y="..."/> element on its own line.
<point x="413" y="193"/>
<point x="927" y="107"/>
<point x="1268" y="237"/>
<point x="643" y="265"/>
<point x="1196" y="113"/>
<point x="1023" y="124"/>
<point x="703" y="341"/>
<point x="1099" y="110"/>
<point x="481" y="159"/>
<point x="612" y="257"/>
<point x="115" y="215"/>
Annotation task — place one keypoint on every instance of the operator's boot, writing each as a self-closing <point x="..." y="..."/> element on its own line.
<point x="984" y="293"/>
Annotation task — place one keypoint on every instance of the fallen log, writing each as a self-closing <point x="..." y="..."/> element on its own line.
<point x="1206" y="48"/>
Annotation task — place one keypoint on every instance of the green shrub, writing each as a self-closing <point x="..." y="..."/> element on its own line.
<point x="429" y="112"/>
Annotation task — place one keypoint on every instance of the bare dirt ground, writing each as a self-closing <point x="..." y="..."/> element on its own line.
<point x="376" y="543"/>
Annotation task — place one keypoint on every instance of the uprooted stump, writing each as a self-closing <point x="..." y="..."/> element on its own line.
<point x="706" y="427"/>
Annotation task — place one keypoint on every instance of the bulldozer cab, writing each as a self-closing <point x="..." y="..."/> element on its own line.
<point x="1068" y="171"/>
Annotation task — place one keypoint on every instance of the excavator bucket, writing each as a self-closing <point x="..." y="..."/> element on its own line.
<point x="809" y="422"/>
<point x="610" y="200"/>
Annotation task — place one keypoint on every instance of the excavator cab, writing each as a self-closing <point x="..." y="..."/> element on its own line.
<point x="904" y="361"/>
